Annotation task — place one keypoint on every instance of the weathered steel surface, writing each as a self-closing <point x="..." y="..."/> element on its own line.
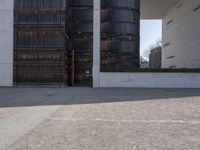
<point x="41" y="42"/>
<point x="120" y="33"/>
<point x="82" y="40"/>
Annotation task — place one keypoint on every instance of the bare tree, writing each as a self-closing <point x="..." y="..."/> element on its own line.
<point x="146" y="53"/>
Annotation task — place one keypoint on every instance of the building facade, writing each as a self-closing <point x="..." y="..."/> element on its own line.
<point x="155" y="58"/>
<point x="93" y="34"/>
<point x="120" y="23"/>
<point x="53" y="40"/>
<point x="181" y="36"/>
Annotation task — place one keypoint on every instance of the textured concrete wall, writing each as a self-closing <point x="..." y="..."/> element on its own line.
<point x="150" y="80"/>
<point x="181" y="36"/>
<point x="156" y="9"/>
<point x="6" y="42"/>
<point x="96" y="43"/>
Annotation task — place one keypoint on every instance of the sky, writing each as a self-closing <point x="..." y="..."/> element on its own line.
<point x="150" y="31"/>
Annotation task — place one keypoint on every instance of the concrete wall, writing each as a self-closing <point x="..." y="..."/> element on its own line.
<point x="181" y="36"/>
<point x="96" y="42"/>
<point x="150" y="80"/>
<point x="6" y="42"/>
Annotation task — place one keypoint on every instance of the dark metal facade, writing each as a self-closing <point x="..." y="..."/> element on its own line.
<point x="40" y="42"/>
<point x="82" y="40"/>
<point x="120" y="22"/>
<point x="53" y="42"/>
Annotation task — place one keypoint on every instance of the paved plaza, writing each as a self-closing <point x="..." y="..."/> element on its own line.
<point x="99" y="119"/>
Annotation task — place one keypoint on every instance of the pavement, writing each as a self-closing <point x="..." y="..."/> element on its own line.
<point x="99" y="119"/>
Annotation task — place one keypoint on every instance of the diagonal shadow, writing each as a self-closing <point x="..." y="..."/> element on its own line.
<point x="28" y="97"/>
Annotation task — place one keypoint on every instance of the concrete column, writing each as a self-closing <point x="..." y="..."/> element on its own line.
<point x="6" y="42"/>
<point x="96" y="43"/>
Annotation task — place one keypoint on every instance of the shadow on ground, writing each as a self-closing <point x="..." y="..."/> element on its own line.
<point x="27" y="97"/>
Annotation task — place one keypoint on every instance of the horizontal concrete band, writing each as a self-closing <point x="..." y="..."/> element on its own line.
<point x="150" y="80"/>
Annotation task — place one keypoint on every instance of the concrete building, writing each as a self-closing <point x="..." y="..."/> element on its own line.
<point x="181" y="34"/>
<point x="155" y="58"/>
<point x="181" y="37"/>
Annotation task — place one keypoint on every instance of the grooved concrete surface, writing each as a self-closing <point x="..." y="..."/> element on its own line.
<point x="99" y="119"/>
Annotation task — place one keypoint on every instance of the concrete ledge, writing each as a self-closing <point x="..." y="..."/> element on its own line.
<point x="150" y="80"/>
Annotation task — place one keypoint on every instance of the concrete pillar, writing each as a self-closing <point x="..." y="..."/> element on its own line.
<point x="96" y="43"/>
<point x="6" y="42"/>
